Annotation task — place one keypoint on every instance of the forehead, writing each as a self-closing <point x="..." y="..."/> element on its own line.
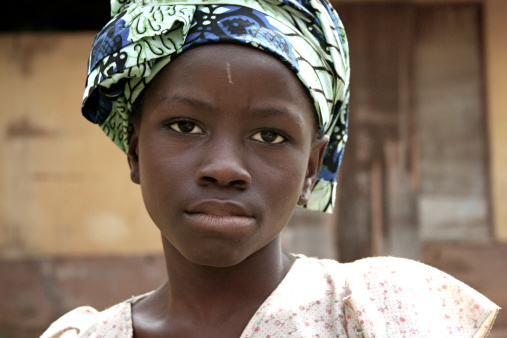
<point x="249" y="77"/>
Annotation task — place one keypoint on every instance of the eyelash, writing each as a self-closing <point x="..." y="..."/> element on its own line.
<point x="275" y="133"/>
<point x="174" y="126"/>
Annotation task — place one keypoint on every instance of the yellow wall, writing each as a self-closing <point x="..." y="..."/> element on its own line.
<point x="496" y="92"/>
<point x="57" y="196"/>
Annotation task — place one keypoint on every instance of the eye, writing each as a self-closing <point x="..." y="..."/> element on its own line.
<point x="268" y="136"/>
<point x="185" y="127"/>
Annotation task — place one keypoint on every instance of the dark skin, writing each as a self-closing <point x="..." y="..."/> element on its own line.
<point x="224" y="149"/>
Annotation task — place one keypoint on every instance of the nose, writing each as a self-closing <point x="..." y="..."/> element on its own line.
<point x="223" y="165"/>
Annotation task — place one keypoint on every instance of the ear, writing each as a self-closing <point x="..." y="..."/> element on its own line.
<point x="133" y="155"/>
<point x="312" y="171"/>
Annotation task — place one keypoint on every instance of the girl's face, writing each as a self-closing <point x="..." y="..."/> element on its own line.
<point x="224" y="149"/>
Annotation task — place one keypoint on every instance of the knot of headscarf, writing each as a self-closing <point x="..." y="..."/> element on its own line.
<point x="143" y="37"/>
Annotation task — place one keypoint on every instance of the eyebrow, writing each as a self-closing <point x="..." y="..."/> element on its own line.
<point x="260" y="112"/>
<point x="191" y="101"/>
<point x="279" y="111"/>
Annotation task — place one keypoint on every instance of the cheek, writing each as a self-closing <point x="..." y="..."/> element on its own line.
<point x="284" y="185"/>
<point x="152" y="179"/>
<point x="160" y="161"/>
<point x="163" y="177"/>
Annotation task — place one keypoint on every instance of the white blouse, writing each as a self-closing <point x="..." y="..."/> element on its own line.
<point x="372" y="297"/>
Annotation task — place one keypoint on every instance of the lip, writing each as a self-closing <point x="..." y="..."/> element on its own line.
<point x="220" y="217"/>
<point x="219" y="208"/>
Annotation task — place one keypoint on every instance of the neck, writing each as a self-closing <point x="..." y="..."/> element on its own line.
<point x="217" y="291"/>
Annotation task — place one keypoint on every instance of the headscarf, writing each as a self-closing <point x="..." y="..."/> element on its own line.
<point x="143" y="36"/>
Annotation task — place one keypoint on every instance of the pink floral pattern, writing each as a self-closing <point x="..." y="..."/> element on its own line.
<point x="373" y="297"/>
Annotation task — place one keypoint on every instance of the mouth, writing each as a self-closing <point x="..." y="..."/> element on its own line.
<point x="218" y="216"/>
<point x="219" y="208"/>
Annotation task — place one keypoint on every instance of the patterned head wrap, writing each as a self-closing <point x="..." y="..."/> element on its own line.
<point x="143" y="37"/>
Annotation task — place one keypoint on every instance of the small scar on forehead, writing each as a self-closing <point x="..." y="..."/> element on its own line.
<point x="229" y="76"/>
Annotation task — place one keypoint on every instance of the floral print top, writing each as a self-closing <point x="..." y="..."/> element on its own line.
<point x="372" y="297"/>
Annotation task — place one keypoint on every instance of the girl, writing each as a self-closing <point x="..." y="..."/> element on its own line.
<point x="232" y="112"/>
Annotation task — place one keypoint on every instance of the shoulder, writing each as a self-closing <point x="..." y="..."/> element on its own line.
<point x="407" y="295"/>
<point x="397" y="296"/>
<point x="87" y="322"/>
<point x="408" y="278"/>
<point x="71" y="323"/>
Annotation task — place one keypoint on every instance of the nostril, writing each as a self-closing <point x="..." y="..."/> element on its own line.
<point x="223" y="171"/>
<point x="222" y="181"/>
<point x="239" y="183"/>
<point x="208" y="179"/>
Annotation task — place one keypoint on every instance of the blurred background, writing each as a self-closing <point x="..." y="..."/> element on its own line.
<point x="424" y="174"/>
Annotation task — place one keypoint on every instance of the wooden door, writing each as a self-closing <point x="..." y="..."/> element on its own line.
<point x="414" y="167"/>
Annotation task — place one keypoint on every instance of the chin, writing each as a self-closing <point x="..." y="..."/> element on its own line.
<point x="217" y="257"/>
